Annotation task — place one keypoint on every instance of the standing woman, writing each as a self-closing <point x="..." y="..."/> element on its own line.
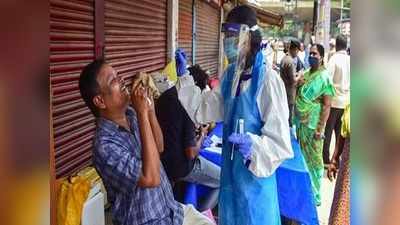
<point x="313" y="104"/>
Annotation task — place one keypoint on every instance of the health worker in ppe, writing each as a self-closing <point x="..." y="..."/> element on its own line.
<point x="251" y="101"/>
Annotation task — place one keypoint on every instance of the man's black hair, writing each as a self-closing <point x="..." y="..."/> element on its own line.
<point x="200" y="76"/>
<point x="294" y="44"/>
<point x="341" y="42"/>
<point x="244" y="14"/>
<point x="88" y="85"/>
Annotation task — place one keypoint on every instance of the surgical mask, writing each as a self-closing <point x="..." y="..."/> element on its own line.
<point x="231" y="48"/>
<point x="313" y="61"/>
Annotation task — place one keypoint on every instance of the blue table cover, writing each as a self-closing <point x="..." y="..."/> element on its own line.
<point x="295" y="194"/>
<point x="294" y="184"/>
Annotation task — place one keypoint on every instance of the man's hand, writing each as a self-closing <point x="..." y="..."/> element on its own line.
<point x="300" y="74"/>
<point x="319" y="135"/>
<point x="140" y="100"/>
<point x="332" y="171"/>
<point x="300" y="80"/>
<point x="150" y="100"/>
<point x="204" y="129"/>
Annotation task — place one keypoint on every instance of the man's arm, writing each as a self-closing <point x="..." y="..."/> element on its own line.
<point x="150" y="157"/>
<point x="333" y="166"/>
<point x="299" y="72"/>
<point x="157" y="133"/>
<point x="299" y="78"/>
<point x="289" y="71"/>
<point x="193" y="151"/>
<point x="338" y="150"/>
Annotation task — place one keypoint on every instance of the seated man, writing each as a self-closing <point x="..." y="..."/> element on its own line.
<point x="126" y="151"/>
<point x="181" y="156"/>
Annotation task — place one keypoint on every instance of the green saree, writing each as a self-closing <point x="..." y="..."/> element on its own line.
<point x="308" y="110"/>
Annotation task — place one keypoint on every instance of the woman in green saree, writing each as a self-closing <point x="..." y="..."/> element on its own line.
<point x="313" y="104"/>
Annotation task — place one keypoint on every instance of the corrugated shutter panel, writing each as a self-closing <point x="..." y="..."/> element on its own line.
<point x="207" y="36"/>
<point x="71" y="48"/>
<point x="136" y="35"/>
<point x="185" y="27"/>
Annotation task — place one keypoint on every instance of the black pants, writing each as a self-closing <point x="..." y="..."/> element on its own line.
<point x="334" y="123"/>
<point x="291" y="112"/>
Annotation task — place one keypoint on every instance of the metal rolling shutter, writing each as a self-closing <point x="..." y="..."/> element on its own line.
<point x="207" y="36"/>
<point x="71" y="48"/>
<point x="136" y="35"/>
<point x="185" y="27"/>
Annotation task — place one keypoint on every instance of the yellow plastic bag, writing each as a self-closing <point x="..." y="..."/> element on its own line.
<point x="90" y="174"/>
<point x="170" y="71"/>
<point x="345" y="131"/>
<point x="71" y="197"/>
<point x="226" y="62"/>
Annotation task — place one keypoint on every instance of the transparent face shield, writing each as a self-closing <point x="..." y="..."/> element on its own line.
<point x="236" y="47"/>
<point x="236" y="42"/>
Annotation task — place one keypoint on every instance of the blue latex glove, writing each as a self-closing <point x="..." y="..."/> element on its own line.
<point x="206" y="142"/>
<point x="243" y="142"/>
<point x="181" y="62"/>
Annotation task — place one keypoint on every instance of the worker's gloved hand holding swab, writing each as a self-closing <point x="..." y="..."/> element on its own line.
<point x="243" y="143"/>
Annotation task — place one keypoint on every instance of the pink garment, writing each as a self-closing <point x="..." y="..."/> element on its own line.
<point x="213" y="82"/>
<point x="208" y="214"/>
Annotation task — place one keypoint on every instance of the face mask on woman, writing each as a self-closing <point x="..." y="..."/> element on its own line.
<point x="313" y="61"/>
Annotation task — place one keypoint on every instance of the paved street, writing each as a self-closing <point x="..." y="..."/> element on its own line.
<point x="327" y="191"/>
<point x="327" y="196"/>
